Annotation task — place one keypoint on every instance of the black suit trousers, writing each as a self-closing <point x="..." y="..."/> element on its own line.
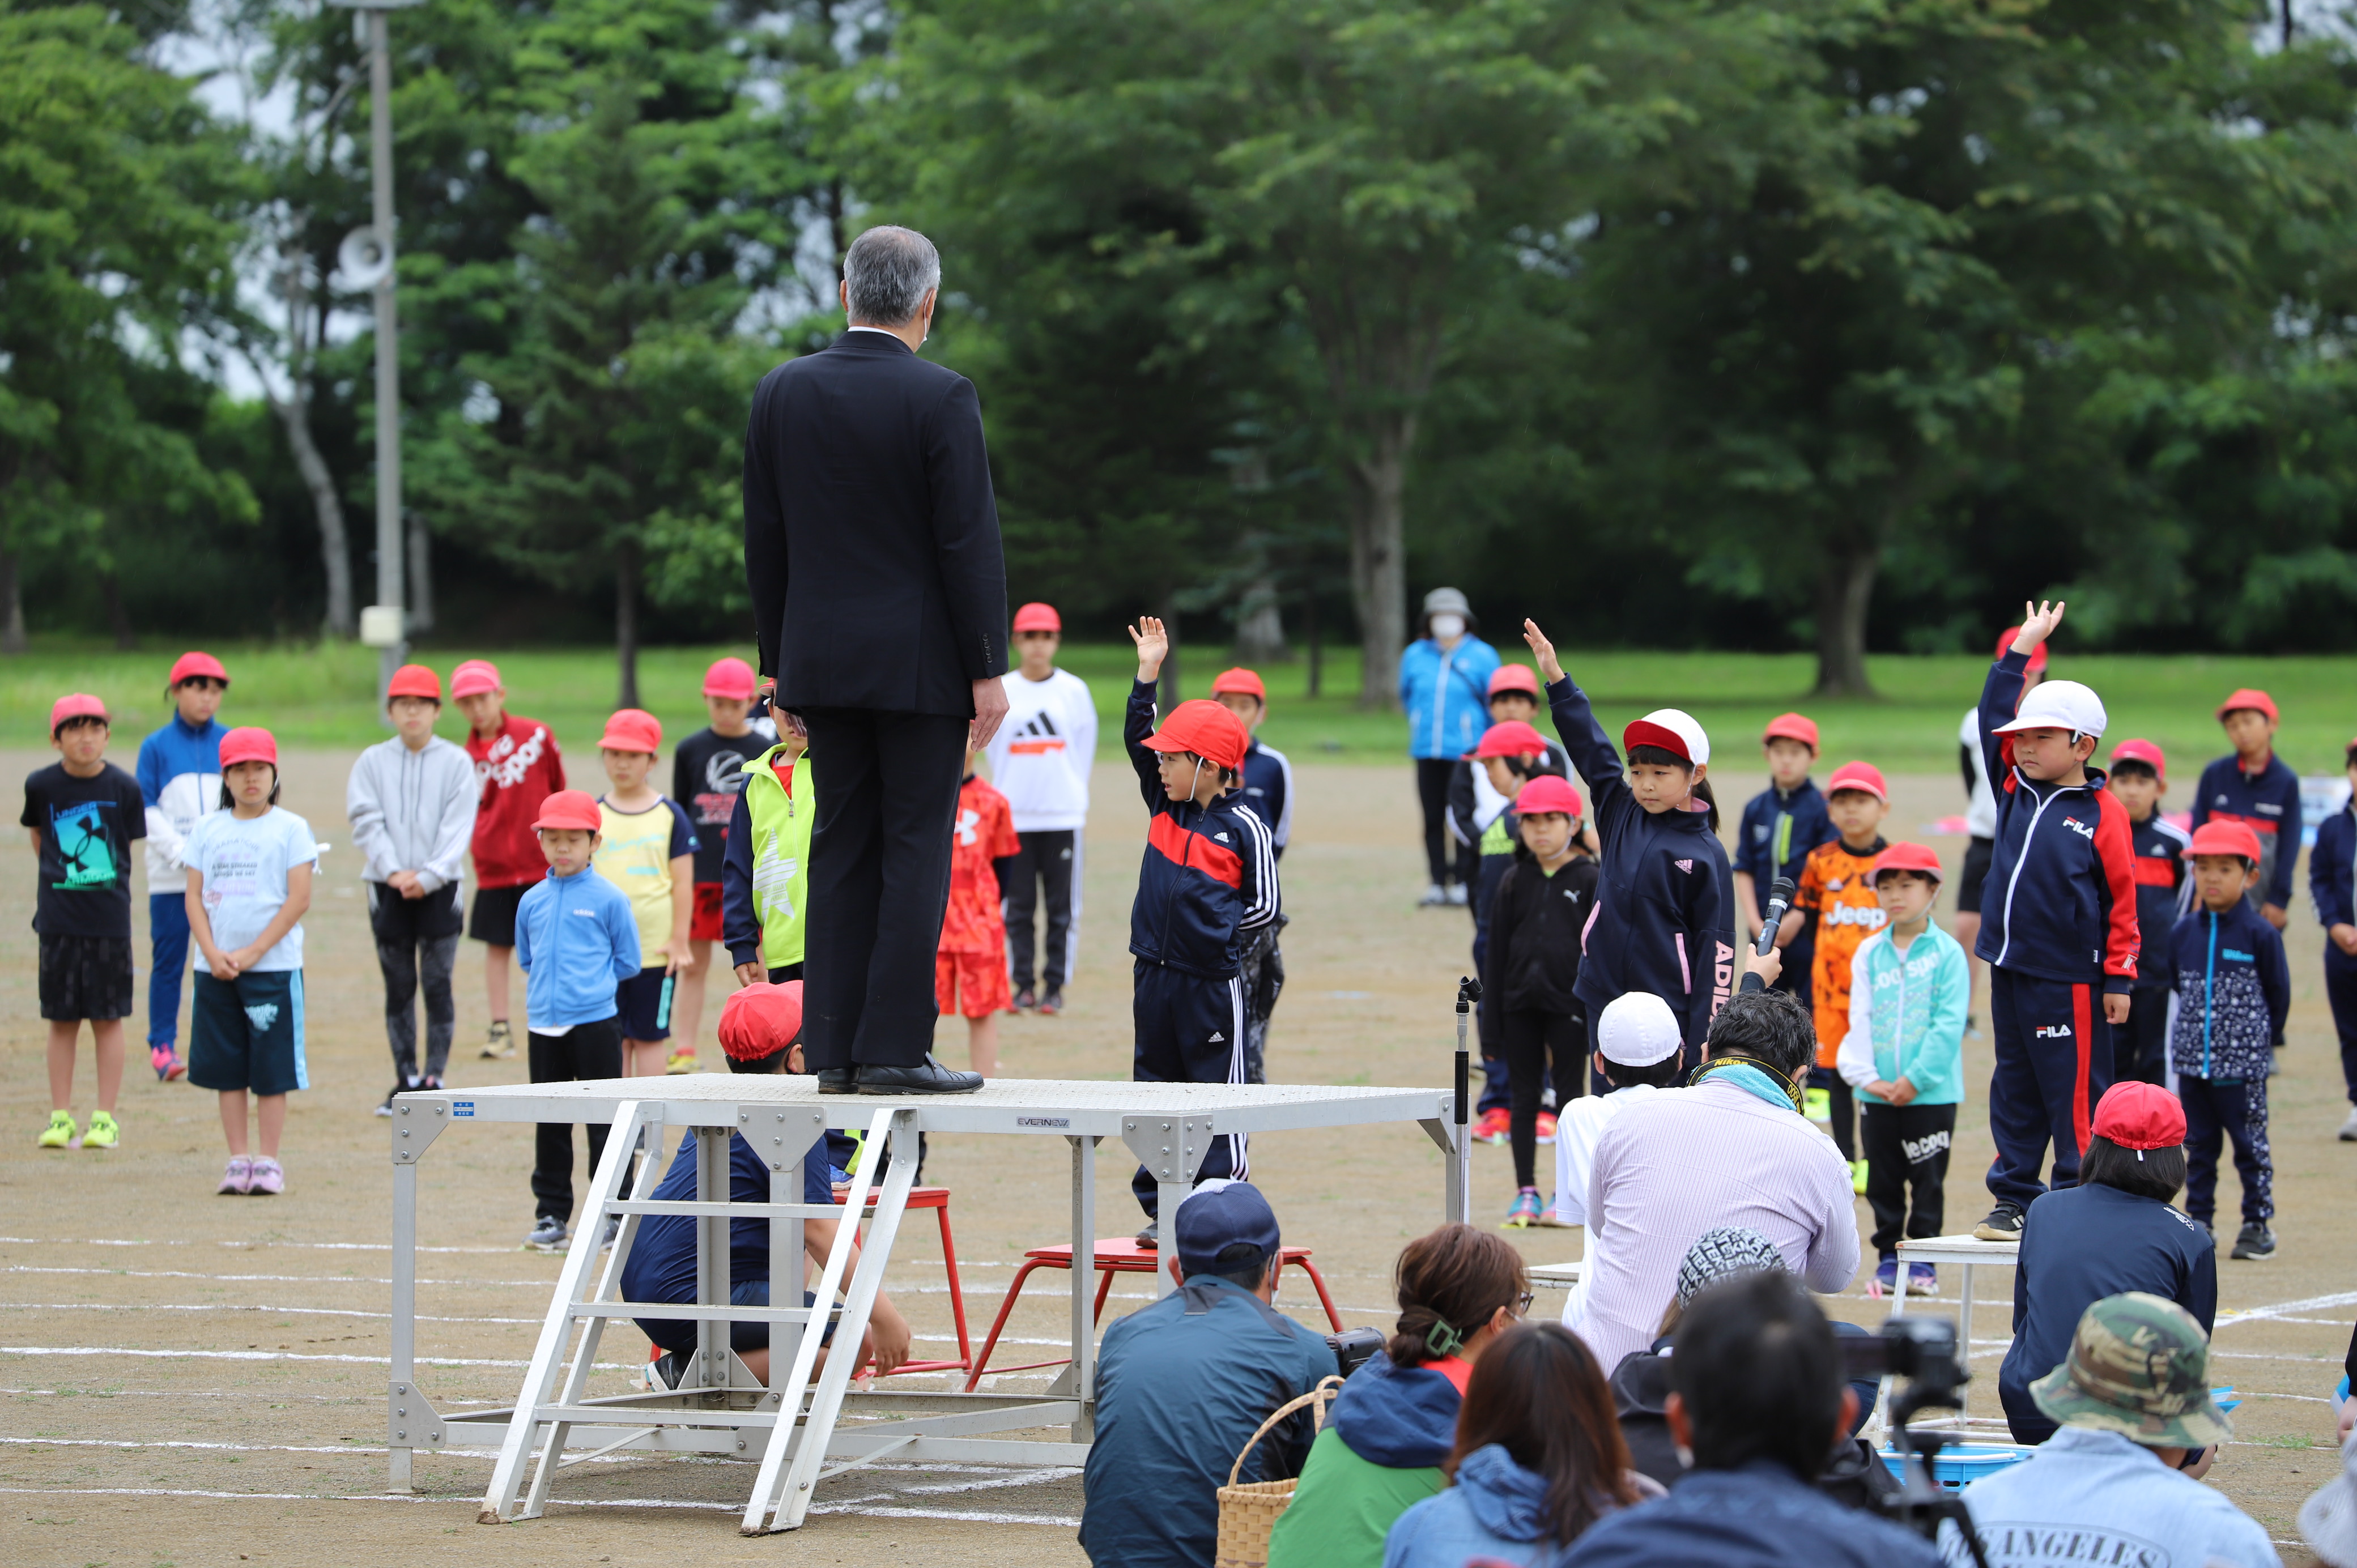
<point x="887" y="790"/>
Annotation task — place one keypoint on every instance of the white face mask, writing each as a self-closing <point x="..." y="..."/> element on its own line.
<point x="1448" y="627"/>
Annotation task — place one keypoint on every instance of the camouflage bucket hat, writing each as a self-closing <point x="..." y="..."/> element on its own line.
<point x="2139" y="1366"/>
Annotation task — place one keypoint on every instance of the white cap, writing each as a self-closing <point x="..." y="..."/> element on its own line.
<point x="1672" y="729"/>
<point x="2060" y="704"/>
<point x="1638" y="1030"/>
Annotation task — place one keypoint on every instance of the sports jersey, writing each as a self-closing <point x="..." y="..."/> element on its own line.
<point x="517" y="769"/>
<point x="1842" y="911"/>
<point x="636" y="857"/>
<point x="984" y="832"/>
<point x="1039" y="760"/>
<point x="707" y="773"/>
<point x="2266" y="802"/>
<point x="1208" y="878"/>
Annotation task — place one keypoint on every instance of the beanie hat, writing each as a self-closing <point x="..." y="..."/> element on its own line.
<point x="1722" y="1255"/>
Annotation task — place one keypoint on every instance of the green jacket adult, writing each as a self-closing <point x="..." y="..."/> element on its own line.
<point x="765" y="866"/>
<point x="1380" y="1452"/>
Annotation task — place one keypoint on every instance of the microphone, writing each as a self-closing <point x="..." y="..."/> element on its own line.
<point x="1780" y="898"/>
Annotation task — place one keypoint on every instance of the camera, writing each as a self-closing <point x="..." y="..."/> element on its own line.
<point x="1354" y="1347"/>
<point x="1921" y="1349"/>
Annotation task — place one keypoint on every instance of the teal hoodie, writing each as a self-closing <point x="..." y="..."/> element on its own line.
<point x="1911" y="1011"/>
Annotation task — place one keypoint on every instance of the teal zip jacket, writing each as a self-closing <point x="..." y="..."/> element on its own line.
<point x="1907" y="1016"/>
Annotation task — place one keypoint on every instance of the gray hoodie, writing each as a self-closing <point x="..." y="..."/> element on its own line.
<point x="413" y="810"/>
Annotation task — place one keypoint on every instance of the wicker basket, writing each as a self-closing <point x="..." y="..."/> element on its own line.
<point x="1248" y="1510"/>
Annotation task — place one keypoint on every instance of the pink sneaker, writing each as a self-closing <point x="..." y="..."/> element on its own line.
<point x="239" y="1177"/>
<point x="269" y="1178"/>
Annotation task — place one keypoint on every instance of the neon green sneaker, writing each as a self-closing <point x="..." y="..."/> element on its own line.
<point x="61" y="1133"/>
<point x="103" y="1134"/>
<point x="1818" y="1106"/>
<point x="1857" y="1171"/>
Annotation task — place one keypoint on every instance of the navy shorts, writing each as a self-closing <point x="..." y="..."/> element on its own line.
<point x="247" y="1033"/>
<point x="644" y="1003"/>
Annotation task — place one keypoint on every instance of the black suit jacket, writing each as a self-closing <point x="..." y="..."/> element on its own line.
<point x="871" y="536"/>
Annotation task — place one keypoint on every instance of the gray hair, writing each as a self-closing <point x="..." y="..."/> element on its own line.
<point x="888" y="273"/>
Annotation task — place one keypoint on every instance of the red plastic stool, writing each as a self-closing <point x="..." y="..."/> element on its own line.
<point x="936" y="1199"/>
<point x="1117" y="1255"/>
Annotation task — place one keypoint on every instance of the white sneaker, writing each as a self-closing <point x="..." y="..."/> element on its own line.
<point x="2348" y="1128"/>
<point x="1435" y="896"/>
<point x="1458" y="894"/>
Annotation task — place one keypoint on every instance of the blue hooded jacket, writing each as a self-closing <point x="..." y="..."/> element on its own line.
<point x="1446" y="694"/>
<point x="1496" y="1510"/>
<point x="1403" y="1418"/>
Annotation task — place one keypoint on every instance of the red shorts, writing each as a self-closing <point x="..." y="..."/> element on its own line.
<point x="979" y="979"/>
<point x="703" y="926"/>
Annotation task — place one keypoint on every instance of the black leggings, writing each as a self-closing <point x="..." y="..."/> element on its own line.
<point x="1530" y="1038"/>
<point x="1432" y="776"/>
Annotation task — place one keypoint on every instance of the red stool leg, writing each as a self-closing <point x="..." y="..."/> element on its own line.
<point x="1005" y="1308"/>
<point x="957" y="1291"/>
<point x="1104" y="1289"/>
<point x="1307" y="1267"/>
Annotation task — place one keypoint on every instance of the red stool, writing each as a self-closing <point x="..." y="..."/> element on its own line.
<point x="936" y="1199"/>
<point x="1117" y="1255"/>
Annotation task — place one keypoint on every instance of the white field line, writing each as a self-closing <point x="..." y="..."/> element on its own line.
<point x="861" y="1506"/>
<point x="272" y="1355"/>
<point x="963" y="1264"/>
<point x="355" y="1312"/>
<point x="2307" y="1304"/>
<point x="541" y="1285"/>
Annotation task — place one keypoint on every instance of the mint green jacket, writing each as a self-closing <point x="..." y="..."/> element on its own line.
<point x="1907" y="1016"/>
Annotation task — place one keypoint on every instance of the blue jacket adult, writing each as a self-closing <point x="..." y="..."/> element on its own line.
<point x="1664" y="915"/>
<point x="1182" y="1387"/>
<point x="2061" y="902"/>
<point x="1759" y="1516"/>
<point x="1779" y="828"/>
<point x="1446" y="694"/>
<point x="576" y="938"/>
<point x="2233" y="990"/>
<point x="2267" y="802"/>
<point x="2163" y="893"/>
<point x="1209" y="876"/>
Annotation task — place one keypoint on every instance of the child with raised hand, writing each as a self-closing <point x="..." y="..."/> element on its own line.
<point x="649" y="851"/>
<point x="84" y="812"/>
<point x="1902" y="1051"/>
<point x="1780" y="825"/>
<point x="2139" y="778"/>
<point x="2233" y="991"/>
<point x="1664" y="919"/>
<point x="1836" y="905"/>
<point x="249" y="886"/>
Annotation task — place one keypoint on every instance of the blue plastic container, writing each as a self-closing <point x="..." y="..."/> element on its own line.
<point x="1961" y="1463"/>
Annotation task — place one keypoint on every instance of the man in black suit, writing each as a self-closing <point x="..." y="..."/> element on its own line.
<point x="879" y="596"/>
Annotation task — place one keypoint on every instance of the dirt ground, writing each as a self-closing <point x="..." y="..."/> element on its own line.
<point x="188" y="1378"/>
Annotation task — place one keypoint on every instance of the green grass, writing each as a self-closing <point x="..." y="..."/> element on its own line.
<point x="325" y="696"/>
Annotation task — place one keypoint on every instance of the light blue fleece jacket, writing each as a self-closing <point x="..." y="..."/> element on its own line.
<point x="1911" y="1010"/>
<point x="576" y="938"/>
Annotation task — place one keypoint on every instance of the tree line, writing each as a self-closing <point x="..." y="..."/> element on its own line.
<point x="1833" y="324"/>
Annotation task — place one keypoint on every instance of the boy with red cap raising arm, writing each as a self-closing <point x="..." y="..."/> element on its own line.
<point x="2258" y="789"/>
<point x="1039" y="760"/>
<point x="179" y="777"/>
<point x="2057" y="927"/>
<point x="707" y="774"/>
<point x="2139" y="778"/>
<point x="516" y="767"/>
<point x="1206" y="884"/>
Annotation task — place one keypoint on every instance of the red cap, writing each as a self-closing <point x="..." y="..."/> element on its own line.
<point x="2142" y="751"/>
<point x="75" y="705"/>
<point x="760" y="1020"/>
<point x="2249" y="697"/>
<point x="1514" y="678"/>
<point x="1905" y="857"/>
<point x="1511" y="738"/>
<point x="569" y="809"/>
<point x="1791" y="726"/>
<point x="632" y="729"/>
<point x="1205" y="728"/>
<point x="1547" y="793"/>
<point x="473" y="678"/>
<point x="2004" y="646"/>
<point x="729" y="678"/>
<point x="1242" y="681"/>
<point x="2225" y="838"/>
<point x="1037" y="617"/>
<point x="248" y="745"/>
<point x="190" y="665"/>
<point x="413" y="680"/>
<point x="2138" y="1115"/>
<point x="1863" y="776"/>
<point x="1672" y="729"/>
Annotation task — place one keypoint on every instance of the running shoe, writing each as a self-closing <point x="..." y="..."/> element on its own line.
<point x="613" y="1231"/>
<point x="663" y="1369"/>
<point x="2254" y="1242"/>
<point x="1025" y="1001"/>
<point x="1546" y="1126"/>
<point x="1492" y="1126"/>
<point x="1818" y="1105"/>
<point x="269" y="1178"/>
<point x="238" y="1177"/>
<point x="1857" y="1175"/>
<point x="2003" y="1224"/>
<point x="103" y="1133"/>
<point x="547" y="1234"/>
<point x="1886" y="1279"/>
<point x="501" y="1046"/>
<point x="1434" y="897"/>
<point x="2348" y="1128"/>
<point x="166" y="1063"/>
<point x="1524" y="1212"/>
<point x="1151" y="1236"/>
<point x="61" y="1133"/>
<point x="1922" y="1279"/>
<point x="1052" y="1003"/>
<point x="680" y="1061"/>
<point x="1458" y="894"/>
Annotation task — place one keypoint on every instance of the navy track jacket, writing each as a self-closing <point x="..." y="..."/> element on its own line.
<point x="2332" y="872"/>
<point x="1209" y="878"/>
<point x="2266" y="802"/>
<point x="2164" y="891"/>
<point x="2233" y="990"/>
<point x="1664" y="915"/>
<point x="2061" y="901"/>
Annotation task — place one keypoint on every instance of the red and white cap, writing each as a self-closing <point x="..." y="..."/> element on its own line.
<point x="729" y="678"/>
<point x="1511" y="738"/>
<point x="1545" y="794"/>
<point x="1863" y="776"/>
<point x="569" y="809"/>
<point x="632" y="729"/>
<point x="1242" y="681"/>
<point x="2138" y="1115"/>
<point x="1674" y="730"/>
<point x="1791" y="726"/>
<point x="2004" y="646"/>
<point x="188" y="666"/>
<point x="76" y="705"/>
<point x="249" y="744"/>
<point x="1514" y="678"/>
<point x="2059" y="704"/>
<point x="473" y="678"/>
<point x="760" y="1020"/>
<point x="2249" y="697"/>
<point x="413" y="680"/>
<point x="1905" y="857"/>
<point x="2142" y="751"/>
<point x="1205" y="728"/>
<point x="2225" y="838"/>
<point x="1638" y="1030"/>
<point x="1037" y="617"/>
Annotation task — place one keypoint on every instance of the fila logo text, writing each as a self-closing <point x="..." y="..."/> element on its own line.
<point x="2054" y="1031"/>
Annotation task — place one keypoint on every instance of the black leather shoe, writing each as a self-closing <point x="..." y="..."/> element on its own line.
<point x="930" y="1077"/>
<point x="837" y="1081"/>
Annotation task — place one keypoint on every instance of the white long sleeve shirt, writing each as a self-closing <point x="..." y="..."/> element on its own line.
<point x="413" y="810"/>
<point x="1040" y="757"/>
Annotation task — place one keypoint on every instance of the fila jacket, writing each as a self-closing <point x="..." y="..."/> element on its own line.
<point x="2060" y="899"/>
<point x="1664" y="914"/>
<point x="2233" y="990"/>
<point x="1209" y="877"/>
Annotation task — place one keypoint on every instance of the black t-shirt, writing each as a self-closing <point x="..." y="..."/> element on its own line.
<point x="706" y="776"/>
<point x="87" y="826"/>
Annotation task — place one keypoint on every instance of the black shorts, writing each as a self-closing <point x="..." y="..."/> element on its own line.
<point x="85" y="977"/>
<point x="493" y="920"/>
<point x="1976" y="869"/>
<point x="643" y="1005"/>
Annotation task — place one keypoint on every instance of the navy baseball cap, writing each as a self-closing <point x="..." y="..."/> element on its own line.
<point x="1218" y="1214"/>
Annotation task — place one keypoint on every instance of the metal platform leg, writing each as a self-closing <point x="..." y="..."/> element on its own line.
<point x="1084" y="1245"/>
<point x="405" y="1319"/>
